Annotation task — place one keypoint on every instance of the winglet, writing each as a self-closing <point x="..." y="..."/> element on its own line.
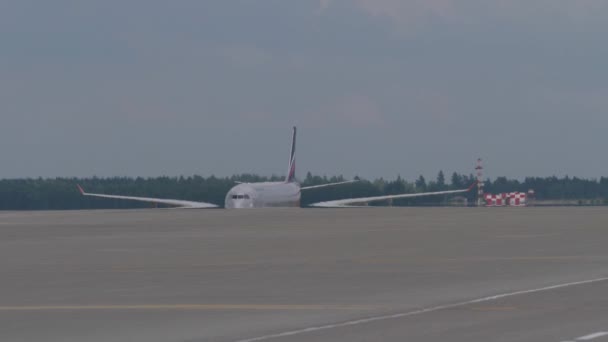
<point x="80" y="189"/>
<point x="472" y="186"/>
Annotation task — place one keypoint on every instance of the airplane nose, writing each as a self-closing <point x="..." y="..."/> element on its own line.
<point x="242" y="205"/>
<point x="239" y="201"/>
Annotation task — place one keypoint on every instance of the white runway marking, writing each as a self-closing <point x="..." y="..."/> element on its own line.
<point x="422" y="311"/>
<point x="592" y="336"/>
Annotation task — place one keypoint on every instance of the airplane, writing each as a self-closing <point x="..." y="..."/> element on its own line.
<point x="272" y="194"/>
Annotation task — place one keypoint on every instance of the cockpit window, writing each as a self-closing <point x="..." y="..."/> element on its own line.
<point x="241" y="197"/>
<point x="246" y="196"/>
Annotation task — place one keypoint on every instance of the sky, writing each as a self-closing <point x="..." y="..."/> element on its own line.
<point x="377" y="88"/>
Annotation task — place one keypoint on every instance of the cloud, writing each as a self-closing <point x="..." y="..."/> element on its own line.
<point x="190" y="71"/>
<point x="412" y="15"/>
<point x="324" y="4"/>
<point x="407" y="10"/>
<point x="356" y="110"/>
<point x="593" y="102"/>
<point x="408" y="14"/>
<point x="244" y="55"/>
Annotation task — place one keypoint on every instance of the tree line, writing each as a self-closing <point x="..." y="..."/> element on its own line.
<point x="61" y="193"/>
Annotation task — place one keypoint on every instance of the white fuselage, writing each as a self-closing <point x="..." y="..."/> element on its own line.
<point x="261" y="195"/>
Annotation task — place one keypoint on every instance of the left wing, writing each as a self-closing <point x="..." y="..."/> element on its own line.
<point x="175" y="203"/>
<point x="352" y="202"/>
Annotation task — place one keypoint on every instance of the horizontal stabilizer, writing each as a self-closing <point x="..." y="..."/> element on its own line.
<point x="326" y="185"/>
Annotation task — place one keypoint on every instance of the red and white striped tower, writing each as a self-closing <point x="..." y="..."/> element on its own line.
<point x="479" y="169"/>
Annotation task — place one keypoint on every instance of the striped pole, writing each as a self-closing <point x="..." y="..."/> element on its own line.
<point x="479" y="170"/>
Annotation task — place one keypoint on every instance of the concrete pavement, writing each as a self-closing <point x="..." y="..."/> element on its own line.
<point x="219" y="275"/>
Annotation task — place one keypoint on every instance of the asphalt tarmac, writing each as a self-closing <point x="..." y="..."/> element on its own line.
<point x="370" y="274"/>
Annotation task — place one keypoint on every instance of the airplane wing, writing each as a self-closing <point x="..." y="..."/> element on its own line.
<point x="354" y="202"/>
<point x="175" y="203"/>
<point x="326" y="185"/>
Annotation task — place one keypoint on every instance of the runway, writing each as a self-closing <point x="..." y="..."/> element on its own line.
<point x="393" y="274"/>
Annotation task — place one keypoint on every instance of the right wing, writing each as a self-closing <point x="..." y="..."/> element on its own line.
<point x="175" y="203"/>
<point x="352" y="202"/>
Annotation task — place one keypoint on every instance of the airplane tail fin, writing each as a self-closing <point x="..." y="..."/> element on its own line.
<point x="82" y="192"/>
<point x="291" y="171"/>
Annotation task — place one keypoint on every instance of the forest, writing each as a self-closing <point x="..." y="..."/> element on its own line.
<point x="62" y="193"/>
